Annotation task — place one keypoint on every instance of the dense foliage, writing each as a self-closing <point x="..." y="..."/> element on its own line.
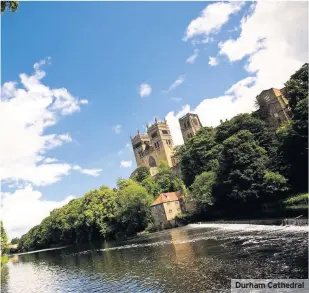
<point x="296" y="88"/>
<point x="140" y="173"/>
<point x="201" y="190"/>
<point x="236" y="168"/>
<point x="104" y="213"/>
<point x="15" y="240"/>
<point x="12" y="5"/>
<point x="293" y="148"/>
<point x="4" y="238"/>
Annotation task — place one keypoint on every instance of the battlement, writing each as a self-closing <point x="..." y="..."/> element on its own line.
<point x="187" y="116"/>
<point x="156" y="124"/>
<point x="139" y="137"/>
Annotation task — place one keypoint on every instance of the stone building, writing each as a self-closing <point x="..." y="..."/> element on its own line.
<point x="274" y="105"/>
<point x="165" y="209"/>
<point x="157" y="144"/>
<point x="189" y="125"/>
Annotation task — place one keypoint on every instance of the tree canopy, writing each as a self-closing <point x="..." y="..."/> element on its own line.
<point x="4" y="238"/>
<point x="140" y="173"/>
<point x="15" y="240"/>
<point x="296" y="88"/>
<point x="11" y="5"/>
<point x="201" y="190"/>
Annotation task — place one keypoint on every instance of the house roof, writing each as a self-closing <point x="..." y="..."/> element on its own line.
<point x="166" y="197"/>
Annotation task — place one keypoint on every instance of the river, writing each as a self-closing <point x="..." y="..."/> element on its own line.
<point x="194" y="258"/>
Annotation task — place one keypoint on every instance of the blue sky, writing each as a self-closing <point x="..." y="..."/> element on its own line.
<point x="102" y="53"/>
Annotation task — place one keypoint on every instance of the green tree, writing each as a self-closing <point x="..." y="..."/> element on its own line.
<point x="296" y="88"/>
<point x="12" y="5"/>
<point x="199" y="154"/>
<point x="274" y="185"/>
<point x="201" y="190"/>
<point x="15" y="240"/>
<point x="244" y="164"/>
<point x="133" y="207"/>
<point x="163" y="167"/>
<point x="167" y="180"/>
<point x="151" y="186"/>
<point x="261" y="131"/>
<point x="4" y="238"/>
<point x="293" y="148"/>
<point x="140" y="173"/>
<point x="99" y="208"/>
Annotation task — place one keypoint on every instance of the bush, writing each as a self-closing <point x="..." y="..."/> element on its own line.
<point x="184" y="218"/>
<point x="300" y="199"/>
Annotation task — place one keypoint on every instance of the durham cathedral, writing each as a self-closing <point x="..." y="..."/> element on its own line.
<point x="157" y="144"/>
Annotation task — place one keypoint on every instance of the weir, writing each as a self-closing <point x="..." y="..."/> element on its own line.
<point x="298" y="221"/>
<point x="295" y="222"/>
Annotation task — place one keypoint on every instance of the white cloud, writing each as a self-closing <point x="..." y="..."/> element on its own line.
<point x="27" y="110"/>
<point x="211" y="19"/>
<point x="176" y="99"/>
<point x="173" y="123"/>
<point x="52" y="141"/>
<point x="176" y="83"/>
<point x="202" y="41"/>
<point x="117" y="129"/>
<point x="25" y="208"/>
<point x="126" y="164"/>
<point x="193" y="57"/>
<point x="276" y="46"/>
<point x="145" y="90"/>
<point x="91" y="172"/>
<point x="50" y="160"/>
<point x="213" y="61"/>
<point x="270" y="62"/>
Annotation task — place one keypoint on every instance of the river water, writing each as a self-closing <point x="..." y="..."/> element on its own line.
<point x="194" y="258"/>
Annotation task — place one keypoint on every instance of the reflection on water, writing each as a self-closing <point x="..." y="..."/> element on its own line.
<point x="195" y="258"/>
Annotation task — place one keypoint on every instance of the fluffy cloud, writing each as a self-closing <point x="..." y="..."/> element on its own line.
<point x="145" y="90"/>
<point x="26" y="112"/>
<point x="211" y="19"/>
<point x="193" y="57"/>
<point x="126" y="164"/>
<point x="25" y="208"/>
<point x="91" y="172"/>
<point x="117" y="129"/>
<point x="50" y="160"/>
<point x="276" y="46"/>
<point x="173" y="123"/>
<point x="213" y="61"/>
<point x="176" y="83"/>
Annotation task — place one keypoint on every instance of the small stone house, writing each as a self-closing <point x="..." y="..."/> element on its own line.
<point x="165" y="209"/>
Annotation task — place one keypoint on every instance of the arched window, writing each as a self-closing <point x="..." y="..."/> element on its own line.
<point x="152" y="162"/>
